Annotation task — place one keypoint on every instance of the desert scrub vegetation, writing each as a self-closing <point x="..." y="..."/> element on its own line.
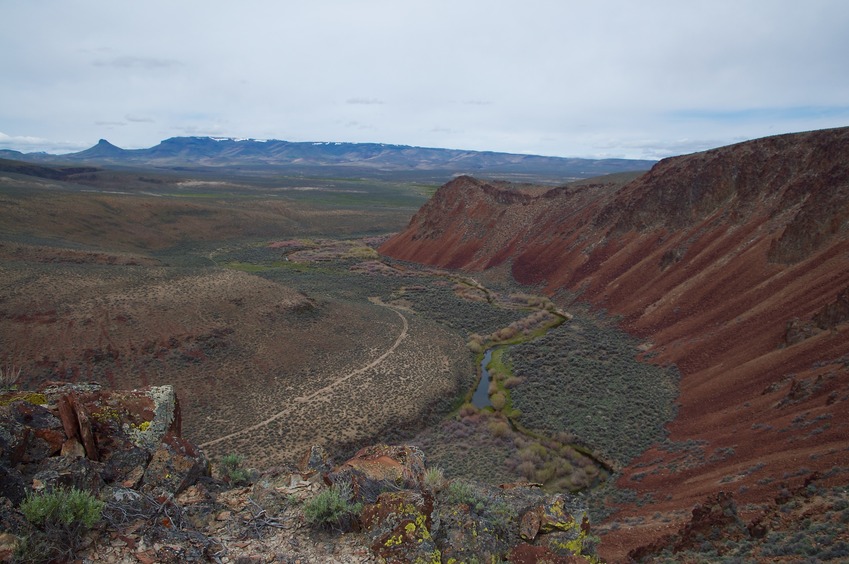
<point x="465" y="446"/>
<point x="486" y="446"/>
<point x="436" y="298"/>
<point x="332" y="508"/>
<point x="583" y="378"/>
<point x="529" y="327"/>
<point x="497" y="515"/>
<point x="809" y="528"/>
<point x="9" y="376"/>
<point x="555" y="463"/>
<point x="434" y="479"/>
<point x="60" y="519"/>
<point x="231" y="470"/>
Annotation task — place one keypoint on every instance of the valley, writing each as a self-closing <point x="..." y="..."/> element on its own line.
<point x="731" y="264"/>
<point x="656" y="337"/>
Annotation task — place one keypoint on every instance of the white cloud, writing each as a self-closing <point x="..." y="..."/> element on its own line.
<point x="131" y="62"/>
<point x="138" y="119"/>
<point x="28" y="144"/>
<point x="365" y="101"/>
<point x="552" y="77"/>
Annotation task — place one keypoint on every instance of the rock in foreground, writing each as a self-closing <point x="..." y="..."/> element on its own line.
<point x="161" y="503"/>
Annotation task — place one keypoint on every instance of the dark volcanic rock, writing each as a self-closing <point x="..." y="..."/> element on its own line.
<point x="78" y="435"/>
<point x="374" y="469"/>
<point x="714" y="522"/>
<point x="175" y="465"/>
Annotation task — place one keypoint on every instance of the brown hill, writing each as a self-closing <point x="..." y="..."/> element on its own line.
<point x="733" y="263"/>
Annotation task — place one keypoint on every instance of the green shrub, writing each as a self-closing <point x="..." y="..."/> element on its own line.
<point x="434" y="479"/>
<point x="62" y="517"/>
<point x="332" y="508"/>
<point x="62" y="507"/>
<point x="460" y="491"/>
<point x="498" y="401"/>
<point x="231" y="469"/>
<point x="9" y="376"/>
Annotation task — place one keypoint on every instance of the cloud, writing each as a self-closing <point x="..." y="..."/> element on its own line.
<point x="353" y="124"/>
<point x="656" y="148"/>
<point x="27" y="143"/>
<point x="138" y="119"/>
<point x="549" y="77"/>
<point x="213" y="130"/>
<point x="365" y="101"/>
<point x="110" y="123"/>
<point x="131" y="62"/>
<point x="767" y="113"/>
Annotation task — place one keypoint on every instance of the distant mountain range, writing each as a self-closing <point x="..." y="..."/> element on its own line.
<point x="214" y="152"/>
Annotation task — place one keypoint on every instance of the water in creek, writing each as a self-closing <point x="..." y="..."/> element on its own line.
<point x="480" y="399"/>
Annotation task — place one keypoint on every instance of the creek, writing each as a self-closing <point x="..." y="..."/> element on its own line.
<point x="480" y="399"/>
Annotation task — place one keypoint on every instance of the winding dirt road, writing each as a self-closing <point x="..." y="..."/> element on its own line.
<point x="312" y="395"/>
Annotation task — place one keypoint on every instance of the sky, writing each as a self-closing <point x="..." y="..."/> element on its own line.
<point x="601" y="78"/>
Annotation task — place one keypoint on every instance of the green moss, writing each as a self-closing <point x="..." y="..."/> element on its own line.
<point x="29" y="397"/>
<point x="106" y="413"/>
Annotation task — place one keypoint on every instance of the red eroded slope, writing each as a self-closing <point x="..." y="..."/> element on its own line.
<point x="733" y="263"/>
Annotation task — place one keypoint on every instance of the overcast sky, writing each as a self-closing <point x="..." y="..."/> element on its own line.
<point x="640" y="79"/>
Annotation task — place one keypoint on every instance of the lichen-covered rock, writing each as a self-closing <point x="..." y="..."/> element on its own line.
<point x="529" y="527"/>
<point x="175" y="465"/>
<point x="478" y="521"/>
<point x="560" y="513"/>
<point x="62" y="472"/>
<point x="379" y="468"/>
<point x="484" y="522"/>
<point x="28" y="431"/>
<point x="399" y="525"/>
<point x="315" y="460"/>
<point x="79" y="435"/>
<point x="126" y="467"/>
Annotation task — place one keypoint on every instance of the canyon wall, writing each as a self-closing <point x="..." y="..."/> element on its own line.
<point x="733" y="264"/>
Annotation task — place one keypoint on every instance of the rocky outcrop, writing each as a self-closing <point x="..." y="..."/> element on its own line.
<point x="714" y="521"/>
<point x="377" y="468"/>
<point x="731" y="263"/>
<point x="407" y="520"/>
<point x="79" y="435"/>
<point x="157" y="507"/>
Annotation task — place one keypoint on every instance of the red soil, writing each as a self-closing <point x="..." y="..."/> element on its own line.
<point x="708" y="257"/>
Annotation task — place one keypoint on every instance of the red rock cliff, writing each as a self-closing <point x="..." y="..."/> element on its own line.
<point x="733" y="263"/>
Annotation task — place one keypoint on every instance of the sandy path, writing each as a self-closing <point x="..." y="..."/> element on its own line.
<point x="324" y="389"/>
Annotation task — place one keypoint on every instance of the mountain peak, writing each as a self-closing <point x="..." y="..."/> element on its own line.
<point x="103" y="149"/>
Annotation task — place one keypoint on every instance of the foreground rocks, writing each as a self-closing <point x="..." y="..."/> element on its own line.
<point x="79" y="435"/>
<point x="162" y="504"/>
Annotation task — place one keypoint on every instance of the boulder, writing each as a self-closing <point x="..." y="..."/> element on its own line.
<point x="79" y="435"/>
<point x="399" y="525"/>
<point x="315" y="460"/>
<point x="174" y="466"/>
<point x="28" y="431"/>
<point x="12" y="485"/>
<point x="62" y="472"/>
<point x="379" y="468"/>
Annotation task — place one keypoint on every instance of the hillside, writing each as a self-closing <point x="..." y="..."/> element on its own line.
<point x="355" y="158"/>
<point x="732" y="264"/>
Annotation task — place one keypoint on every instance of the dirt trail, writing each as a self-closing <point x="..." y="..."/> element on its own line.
<point x="325" y="389"/>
